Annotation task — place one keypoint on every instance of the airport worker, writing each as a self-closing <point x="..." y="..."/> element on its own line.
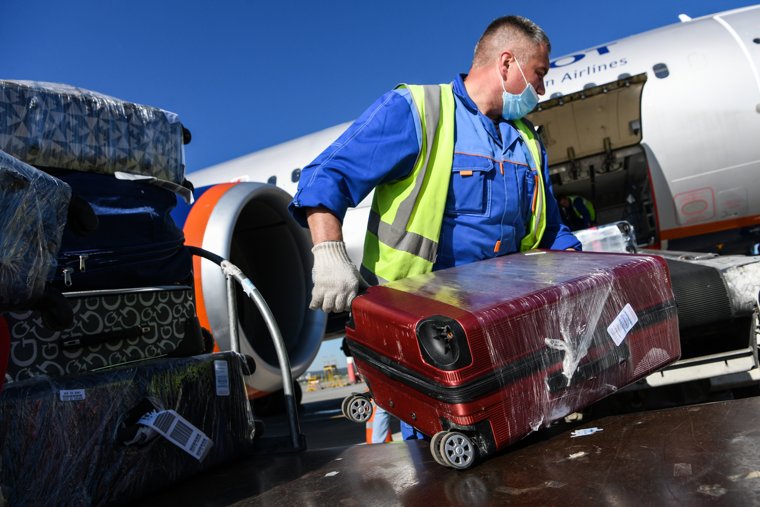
<point x="577" y="212"/>
<point x="378" y="428"/>
<point x="458" y="175"/>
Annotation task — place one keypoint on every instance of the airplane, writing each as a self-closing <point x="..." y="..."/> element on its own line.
<point x="660" y="129"/>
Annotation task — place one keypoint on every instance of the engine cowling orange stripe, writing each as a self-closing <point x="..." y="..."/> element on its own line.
<point x="699" y="229"/>
<point x="195" y="229"/>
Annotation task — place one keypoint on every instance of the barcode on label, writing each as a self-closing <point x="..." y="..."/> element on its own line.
<point x="179" y="431"/>
<point x="221" y="370"/>
<point x="71" y="394"/>
<point x="164" y="421"/>
<point x="622" y="324"/>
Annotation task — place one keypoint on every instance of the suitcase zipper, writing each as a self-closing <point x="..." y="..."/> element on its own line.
<point x="74" y="262"/>
<point x="67" y="276"/>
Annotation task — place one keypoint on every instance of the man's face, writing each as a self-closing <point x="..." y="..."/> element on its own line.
<point x="564" y="202"/>
<point x="534" y="64"/>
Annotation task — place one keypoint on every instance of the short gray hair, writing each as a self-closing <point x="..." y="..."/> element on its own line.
<point x="508" y="32"/>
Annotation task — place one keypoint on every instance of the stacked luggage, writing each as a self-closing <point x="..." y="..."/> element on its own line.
<point x="480" y="355"/>
<point x="33" y="211"/>
<point x="131" y="337"/>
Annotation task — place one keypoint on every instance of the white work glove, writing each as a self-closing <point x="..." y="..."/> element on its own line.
<point x="336" y="279"/>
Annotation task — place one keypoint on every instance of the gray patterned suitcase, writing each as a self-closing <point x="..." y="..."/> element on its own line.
<point x="111" y="327"/>
<point x="61" y="126"/>
<point x="33" y="208"/>
<point x="76" y="440"/>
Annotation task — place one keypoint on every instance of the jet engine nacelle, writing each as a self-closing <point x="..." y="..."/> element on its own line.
<point x="249" y="224"/>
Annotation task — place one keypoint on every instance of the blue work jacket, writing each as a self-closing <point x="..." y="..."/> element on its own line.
<point x="490" y="192"/>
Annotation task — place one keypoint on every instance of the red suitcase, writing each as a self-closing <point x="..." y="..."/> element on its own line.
<point x="480" y="355"/>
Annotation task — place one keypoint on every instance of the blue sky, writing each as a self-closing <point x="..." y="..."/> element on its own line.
<point x="244" y="75"/>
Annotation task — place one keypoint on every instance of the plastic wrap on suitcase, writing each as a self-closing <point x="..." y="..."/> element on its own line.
<point x="498" y="348"/>
<point x="615" y="237"/>
<point x="110" y="328"/>
<point x="33" y="207"/>
<point x="76" y="440"/>
<point x="57" y="125"/>
<point x="137" y="243"/>
<point x="5" y="350"/>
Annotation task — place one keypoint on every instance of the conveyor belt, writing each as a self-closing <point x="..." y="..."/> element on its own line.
<point x="700" y="292"/>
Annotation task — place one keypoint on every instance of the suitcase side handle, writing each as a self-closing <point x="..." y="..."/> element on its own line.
<point x="73" y="342"/>
<point x="588" y="370"/>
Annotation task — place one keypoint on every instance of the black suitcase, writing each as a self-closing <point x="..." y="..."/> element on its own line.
<point x="33" y="210"/>
<point x="136" y="243"/>
<point x="111" y="327"/>
<point x="76" y="440"/>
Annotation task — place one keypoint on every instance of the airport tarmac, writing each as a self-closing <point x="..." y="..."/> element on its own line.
<point x="322" y="422"/>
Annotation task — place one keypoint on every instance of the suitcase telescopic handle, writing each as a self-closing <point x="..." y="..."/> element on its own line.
<point x="236" y="275"/>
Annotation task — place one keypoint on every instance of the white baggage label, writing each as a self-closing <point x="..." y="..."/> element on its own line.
<point x="177" y="430"/>
<point x="71" y="394"/>
<point x="623" y="323"/>
<point x="221" y="369"/>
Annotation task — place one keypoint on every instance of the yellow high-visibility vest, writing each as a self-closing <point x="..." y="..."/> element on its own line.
<point x="406" y="215"/>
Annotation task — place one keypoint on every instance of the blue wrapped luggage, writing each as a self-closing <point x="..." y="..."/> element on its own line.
<point x="136" y="244"/>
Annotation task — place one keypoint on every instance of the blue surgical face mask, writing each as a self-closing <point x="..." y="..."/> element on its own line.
<point x="517" y="106"/>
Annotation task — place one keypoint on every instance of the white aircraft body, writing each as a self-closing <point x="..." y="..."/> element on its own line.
<point x="661" y="129"/>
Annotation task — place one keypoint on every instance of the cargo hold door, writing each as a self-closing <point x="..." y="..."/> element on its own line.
<point x="593" y="138"/>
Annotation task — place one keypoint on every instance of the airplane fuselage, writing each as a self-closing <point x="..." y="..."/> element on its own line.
<point x="700" y="115"/>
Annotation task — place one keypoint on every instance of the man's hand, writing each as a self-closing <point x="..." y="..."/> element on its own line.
<point x="336" y="279"/>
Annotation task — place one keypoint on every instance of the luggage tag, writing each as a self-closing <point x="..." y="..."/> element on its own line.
<point x="622" y="324"/>
<point x="221" y="372"/>
<point x="72" y="394"/>
<point x="179" y="431"/>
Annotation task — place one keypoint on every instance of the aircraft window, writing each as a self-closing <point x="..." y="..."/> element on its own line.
<point x="624" y="75"/>
<point x="661" y="70"/>
<point x="272" y="180"/>
<point x="555" y="95"/>
<point x="295" y="175"/>
<point x="756" y="40"/>
<point x="589" y="85"/>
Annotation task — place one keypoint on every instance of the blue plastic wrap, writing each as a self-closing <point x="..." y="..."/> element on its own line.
<point x="74" y="440"/>
<point x="33" y="208"/>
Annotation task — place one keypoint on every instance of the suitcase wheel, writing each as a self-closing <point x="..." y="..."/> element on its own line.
<point x="453" y="449"/>
<point x="357" y="408"/>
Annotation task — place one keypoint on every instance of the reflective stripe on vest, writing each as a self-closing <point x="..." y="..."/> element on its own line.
<point x="405" y="221"/>
<point x="537" y="224"/>
<point x="586" y="203"/>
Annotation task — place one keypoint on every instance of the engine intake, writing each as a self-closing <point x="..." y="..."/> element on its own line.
<point x="249" y="224"/>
